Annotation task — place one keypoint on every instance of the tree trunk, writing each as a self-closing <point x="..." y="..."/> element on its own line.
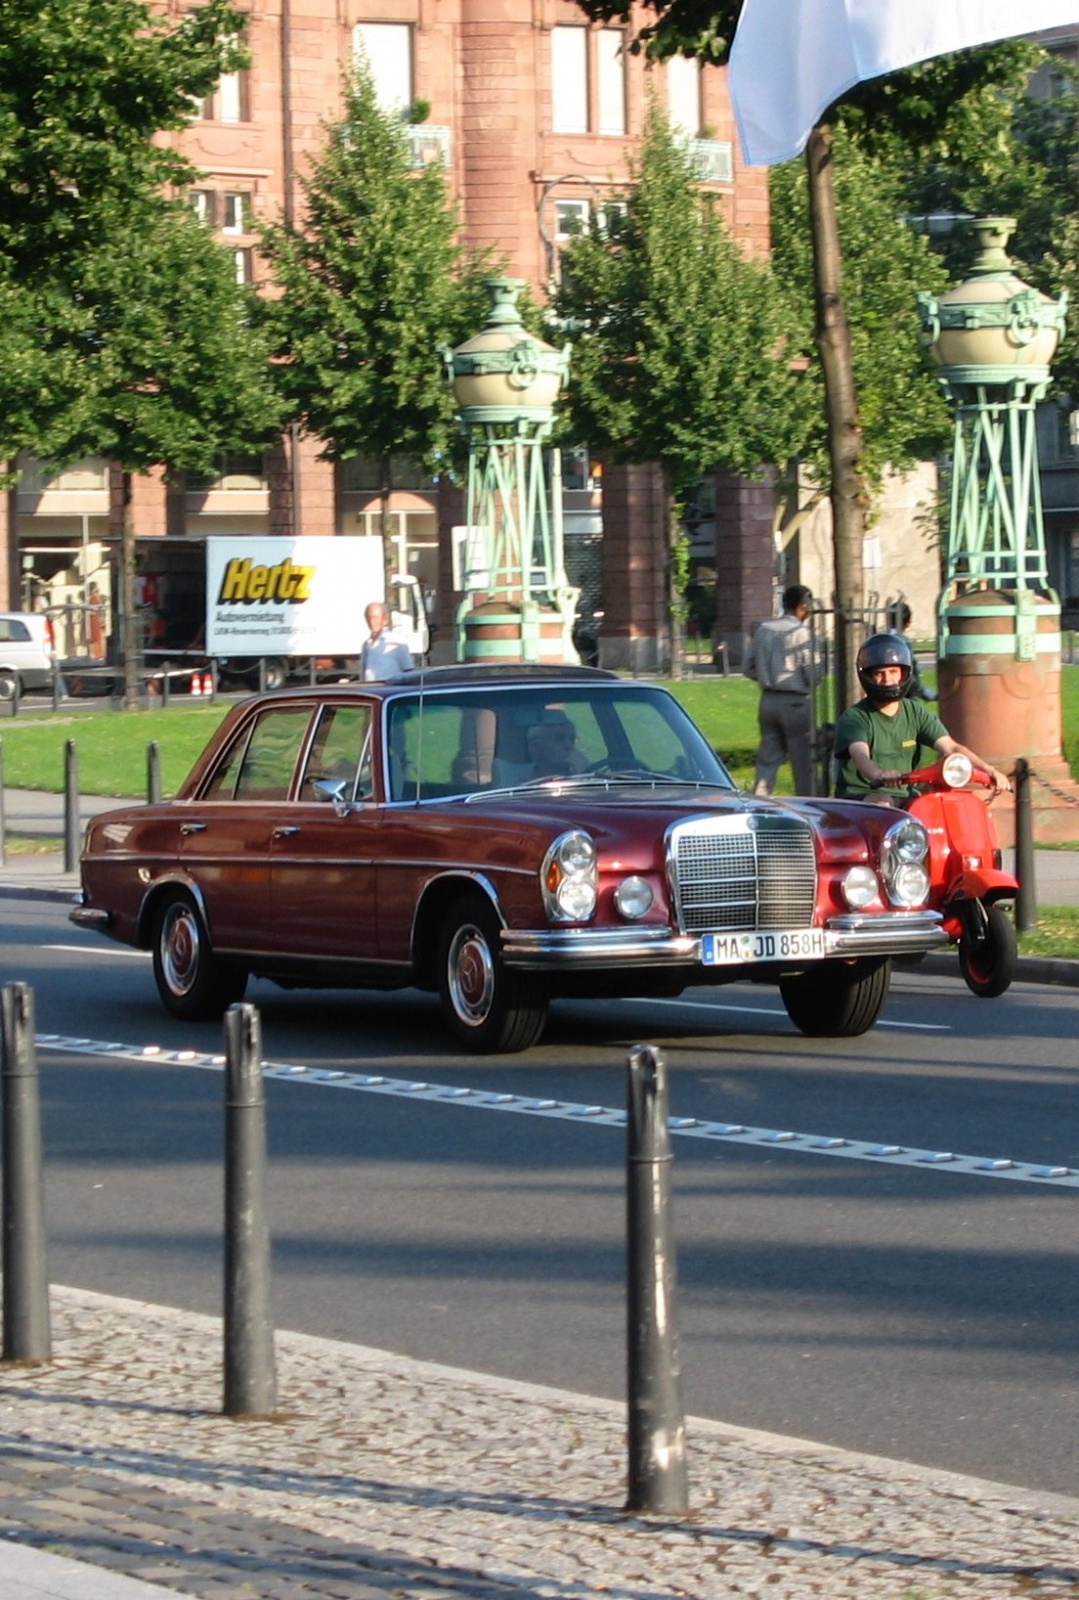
<point x="849" y="499"/>
<point x="676" y="602"/>
<point x="129" y="617"/>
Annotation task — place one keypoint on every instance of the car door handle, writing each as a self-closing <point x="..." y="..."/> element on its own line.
<point x="192" y="827"/>
<point x="283" y="833"/>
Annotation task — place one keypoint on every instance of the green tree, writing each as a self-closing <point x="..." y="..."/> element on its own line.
<point x="919" y="109"/>
<point x="680" y="355"/>
<point x="903" y="414"/>
<point x="122" y="330"/>
<point x="372" y="283"/>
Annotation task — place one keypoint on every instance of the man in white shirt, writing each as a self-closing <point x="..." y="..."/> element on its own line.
<point x="382" y="657"/>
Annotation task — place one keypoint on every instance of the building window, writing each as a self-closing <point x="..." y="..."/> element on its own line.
<point x="236" y="472"/>
<point x="386" y="48"/>
<point x="245" y="264"/>
<point x="611" y="77"/>
<point x="572" y="218"/>
<point x="234" y="213"/>
<point x="588" y="81"/>
<point x="229" y="102"/>
<point x="684" y="95"/>
<point x="569" y="80"/>
<point x="202" y="204"/>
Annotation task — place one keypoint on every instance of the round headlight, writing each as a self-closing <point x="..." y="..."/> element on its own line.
<point x="957" y="770"/>
<point x="910" y="886"/>
<point x="860" y="887"/>
<point x="576" y="898"/>
<point x="909" y="840"/>
<point x="576" y="852"/>
<point x="633" y="897"/>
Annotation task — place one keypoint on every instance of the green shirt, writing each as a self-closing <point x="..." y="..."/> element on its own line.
<point x="893" y="743"/>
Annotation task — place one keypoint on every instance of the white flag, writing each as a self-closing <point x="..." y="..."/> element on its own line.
<point x="792" y="58"/>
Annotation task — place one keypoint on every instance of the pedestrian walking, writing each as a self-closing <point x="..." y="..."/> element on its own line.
<point x="382" y="657"/>
<point x="780" y="659"/>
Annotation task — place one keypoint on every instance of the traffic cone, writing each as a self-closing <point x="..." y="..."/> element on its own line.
<point x="196" y="683"/>
<point x="207" y="683"/>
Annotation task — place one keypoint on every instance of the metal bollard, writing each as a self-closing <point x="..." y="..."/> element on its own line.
<point x="1026" y="901"/>
<point x="153" y="773"/>
<point x="657" y="1429"/>
<point x="71" y="807"/>
<point x="3" y="813"/>
<point x="27" y="1335"/>
<point x="250" y="1380"/>
<point x="166" y="687"/>
<point x="57" y="686"/>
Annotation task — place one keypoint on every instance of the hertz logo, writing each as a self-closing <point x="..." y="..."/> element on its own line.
<point x="247" y="584"/>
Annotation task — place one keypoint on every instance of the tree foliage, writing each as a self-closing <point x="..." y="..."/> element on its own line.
<point x="371" y="286"/>
<point x="122" y="329"/>
<point x="680" y="342"/>
<point x="902" y="410"/>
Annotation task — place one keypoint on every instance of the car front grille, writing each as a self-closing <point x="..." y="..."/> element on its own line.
<point x="743" y="873"/>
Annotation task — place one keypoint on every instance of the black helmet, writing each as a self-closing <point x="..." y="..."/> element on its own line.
<point x="885" y="650"/>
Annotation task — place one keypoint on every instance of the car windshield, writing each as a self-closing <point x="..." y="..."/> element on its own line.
<point x="473" y="741"/>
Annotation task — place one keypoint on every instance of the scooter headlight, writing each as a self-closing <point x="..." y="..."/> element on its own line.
<point x="903" y="862"/>
<point x="957" y="770"/>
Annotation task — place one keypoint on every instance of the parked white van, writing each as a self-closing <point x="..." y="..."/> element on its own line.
<point x="26" y="652"/>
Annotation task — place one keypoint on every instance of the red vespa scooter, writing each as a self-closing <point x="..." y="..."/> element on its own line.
<point x="966" y="879"/>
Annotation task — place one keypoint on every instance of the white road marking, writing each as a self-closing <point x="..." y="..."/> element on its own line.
<point x="778" y="1011"/>
<point x="891" y="1155"/>
<point x="100" y="950"/>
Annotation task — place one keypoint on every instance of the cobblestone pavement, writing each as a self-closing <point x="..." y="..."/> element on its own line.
<point x="383" y="1478"/>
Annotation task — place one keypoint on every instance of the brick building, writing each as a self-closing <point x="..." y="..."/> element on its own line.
<point x="535" y="115"/>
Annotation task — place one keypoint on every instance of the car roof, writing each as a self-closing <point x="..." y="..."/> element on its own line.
<point x="456" y="676"/>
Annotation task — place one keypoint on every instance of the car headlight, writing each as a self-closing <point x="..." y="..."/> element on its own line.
<point x="904" y="862"/>
<point x="634" y="897"/>
<point x="860" y="887"/>
<point x="569" y="878"/>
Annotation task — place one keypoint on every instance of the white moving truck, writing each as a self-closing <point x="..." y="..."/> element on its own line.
<point x="290" y="602"/>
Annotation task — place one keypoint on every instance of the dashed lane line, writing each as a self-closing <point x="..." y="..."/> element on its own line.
<point x="891" y="1155"/>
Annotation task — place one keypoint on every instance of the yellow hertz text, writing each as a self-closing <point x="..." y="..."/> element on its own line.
<point x="246" y="583"/>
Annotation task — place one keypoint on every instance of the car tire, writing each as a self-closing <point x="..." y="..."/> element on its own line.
<point x="988" y="963"/>
<point x="839" y="999"/>
<point x="488" y="1006"/>
<point x="194" y="984"/>
<point x="9" y="685"/>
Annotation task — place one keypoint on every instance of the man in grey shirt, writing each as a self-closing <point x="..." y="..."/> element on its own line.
<point x="780" y="658"/>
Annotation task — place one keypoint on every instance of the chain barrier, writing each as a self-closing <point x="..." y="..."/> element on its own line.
<point x="1061" y="794"/>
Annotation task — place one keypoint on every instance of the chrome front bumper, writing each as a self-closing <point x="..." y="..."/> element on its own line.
<point x="899" y="933"/>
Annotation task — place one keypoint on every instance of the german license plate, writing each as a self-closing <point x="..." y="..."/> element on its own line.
<point x="731" y="949"/>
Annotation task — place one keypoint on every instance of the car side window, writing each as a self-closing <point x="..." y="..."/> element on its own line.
<point x="259" y="765"/>
<point x="340" y="751"/>
<point x="13" y="632"/>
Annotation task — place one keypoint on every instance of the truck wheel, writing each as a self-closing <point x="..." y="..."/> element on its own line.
<point x="988" y="961"/>
<point x="276" y="674"/>
<point x="489" y="1007"/>
<point x="9" y="685"/>
<point x="838" y="999"/>
<point x="194" y="984"/>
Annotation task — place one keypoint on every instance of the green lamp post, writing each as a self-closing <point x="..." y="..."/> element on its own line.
<point x="993" y="338"/>
<point x="517" y="605"/>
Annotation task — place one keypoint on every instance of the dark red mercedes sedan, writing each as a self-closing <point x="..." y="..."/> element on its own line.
<point x="505" y="836"/>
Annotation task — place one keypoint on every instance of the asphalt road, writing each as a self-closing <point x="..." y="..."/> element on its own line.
<point x="865" y="1293"/>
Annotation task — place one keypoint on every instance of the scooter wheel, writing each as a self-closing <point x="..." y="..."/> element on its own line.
<point x="988" y="964"/>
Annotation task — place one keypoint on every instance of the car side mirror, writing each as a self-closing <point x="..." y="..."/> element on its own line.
<point x="335" y="790"/>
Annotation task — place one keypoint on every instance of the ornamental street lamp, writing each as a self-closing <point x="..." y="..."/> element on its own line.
<point x="518" y="605"/>
<point x="993" y="338"/>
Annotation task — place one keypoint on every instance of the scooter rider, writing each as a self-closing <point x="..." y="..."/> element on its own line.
<point x="877" y="740"/>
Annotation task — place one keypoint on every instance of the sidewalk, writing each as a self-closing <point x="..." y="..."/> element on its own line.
<point x="384" y="1477"/>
